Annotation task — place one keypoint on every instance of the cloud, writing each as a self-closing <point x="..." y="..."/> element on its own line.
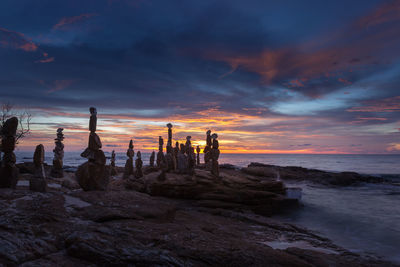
<point x="66" y="22"/>
<point x="391" y="104"/>
<point x="16" y="40"/>
<point x="57" y="85"/>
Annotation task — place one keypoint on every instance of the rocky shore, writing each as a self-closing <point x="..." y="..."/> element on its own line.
<point x="164" y="219"/>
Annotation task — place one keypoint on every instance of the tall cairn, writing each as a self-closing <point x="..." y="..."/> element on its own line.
<point x="152" y="157"/>
<point x="207" y="151"/>
<point x="130" y="153"/>
<point x="215" y="155"/>
<point x="93" y="174"/>
<point x="38" y="181"/>
<point x="57" y="169"/>
<point x="114" y="171"/>
<point x="8" y="171"/>
<point x="138" y="165"/>
<point x="198" y="155"/>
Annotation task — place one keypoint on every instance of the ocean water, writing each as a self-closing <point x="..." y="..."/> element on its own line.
<point x="364" y="219"/>
<point x="366" y="164"/>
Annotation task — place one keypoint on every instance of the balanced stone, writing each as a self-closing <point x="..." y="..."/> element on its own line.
<point x="93" y="174"/>
<point x="57" y="168"/>
<point x="8" y="171"/>
<point x="138" y="165"/>
<point x="38" y="181"/>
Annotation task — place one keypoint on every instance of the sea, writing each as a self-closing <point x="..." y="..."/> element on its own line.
<point x="364" y="219"/>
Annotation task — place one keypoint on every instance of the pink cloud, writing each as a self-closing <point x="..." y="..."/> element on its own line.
<point x="16" y="40"/>
<point x="65" y="22"/>
<point x="391" y="104"/>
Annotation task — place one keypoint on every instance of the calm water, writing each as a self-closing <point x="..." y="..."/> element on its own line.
<point x="363" y="219"/>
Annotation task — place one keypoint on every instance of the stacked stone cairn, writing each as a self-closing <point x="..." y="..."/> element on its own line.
<point x="207" y="151"/>
<point x="152" y="157"/>
<point x="38" y="181"/>
<point x="198" y="155"/>
<point x="8" y="171"/>
<point x="215" y="155"/>
<point x="93" y="174"/>
<point x="57" y="169"/>
<point x="130" y="153"/>
<point x="114" y="171"/>
<point x="138" y="165"/>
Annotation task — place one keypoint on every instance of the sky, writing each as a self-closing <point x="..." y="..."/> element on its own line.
<point x="283" y="76"/>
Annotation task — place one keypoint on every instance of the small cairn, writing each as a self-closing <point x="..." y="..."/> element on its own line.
<point x="215" y="155"/>
<point x="114" y="171"/>
<point x="8" y="171"/>
<point x="152" y="157"/>
<point x="198" y="155"/>
<point x="138" y="165"/>
<point x="129" y="162"/>
<point x="38" y="181"/>
<point x="57" y="169"/>
<point x="93" y="174"/>
<point x="207" y="151"/>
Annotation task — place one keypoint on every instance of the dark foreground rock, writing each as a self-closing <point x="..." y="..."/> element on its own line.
<point x="161" y="220"/>
<point x="304" y="174"/>
<point x="120" y="228"/>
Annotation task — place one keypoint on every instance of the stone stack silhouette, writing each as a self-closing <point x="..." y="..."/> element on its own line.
<point x="57" y="169"/>
<point x="8" y="171"/>
<point x="38" y="181"/>
<point x="93" y="174"/>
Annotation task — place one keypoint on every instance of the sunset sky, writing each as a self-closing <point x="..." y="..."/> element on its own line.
<point x="284" y="76"/>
